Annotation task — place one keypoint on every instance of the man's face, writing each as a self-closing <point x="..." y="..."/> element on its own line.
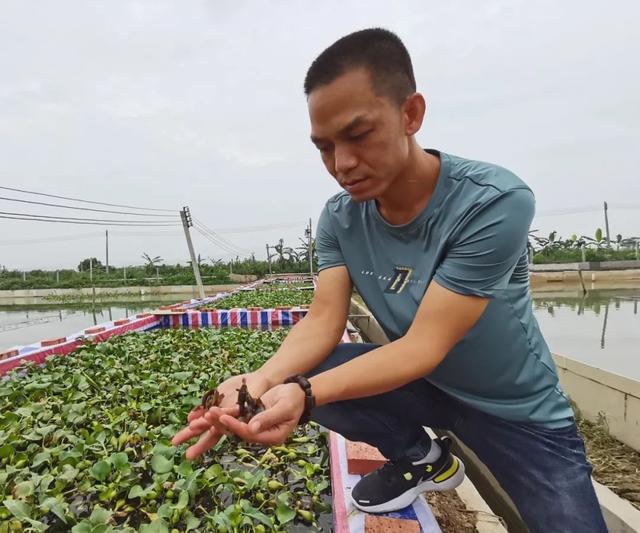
<point x="361" y="136"/>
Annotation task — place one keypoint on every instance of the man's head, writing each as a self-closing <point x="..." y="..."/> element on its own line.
<point x="364" y="110"/>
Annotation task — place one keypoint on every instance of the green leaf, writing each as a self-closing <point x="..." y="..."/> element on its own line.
<point x="53" y="505"/>
<point x="185" y="468"/>
<point x="165" y="510"/>
<point x="252" y="512"/>
<point x="19" y="509"/>
<point x="23" y="490"/>
<point x="82" y="527"/>
<point x="192" y="523"/>
<point x="161" y="464"/>
<point x="181" y="376"/>
<point x="22" y="511"/>
<point x="101" y="470"/>
<point x="285" y="513"/>
<point x="6" y="451"/>
<point x="99" y="516"/>
<point x="69" y="473"/>
<point x="45" y="430"/>
<point x="120" y="460"/>
<point x="136" y="492"/>
<point x="157" y="526"/>
<point x="42" y="457"/>
<point x="164" y="450"/>
<point x="183" y="500"/>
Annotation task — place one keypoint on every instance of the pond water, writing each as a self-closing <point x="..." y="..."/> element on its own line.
<point x="22" y="324"/>
<point x="601" y="329"/>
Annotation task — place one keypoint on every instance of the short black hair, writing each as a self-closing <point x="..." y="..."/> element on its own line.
<point x="379" y="51"/>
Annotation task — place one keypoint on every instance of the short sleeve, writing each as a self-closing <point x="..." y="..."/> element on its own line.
<point x="327" y="245"/>
<point x="484" y="253"/>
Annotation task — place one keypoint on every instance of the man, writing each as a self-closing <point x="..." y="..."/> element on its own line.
<point x="436" y="246"/>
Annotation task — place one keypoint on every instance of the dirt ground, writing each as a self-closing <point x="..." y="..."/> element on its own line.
<point x="451" y="513"/>
<point x="615" y="464"/>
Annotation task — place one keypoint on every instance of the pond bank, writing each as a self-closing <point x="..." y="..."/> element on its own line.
<point x="102" y="292"/>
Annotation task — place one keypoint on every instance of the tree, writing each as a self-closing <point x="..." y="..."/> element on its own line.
<point x="151" y="262"/>
<point x="85" y="264"/>
<point x="599" y="235"/>
<point x="285" y="254"/>
<point x="303" y="250"/>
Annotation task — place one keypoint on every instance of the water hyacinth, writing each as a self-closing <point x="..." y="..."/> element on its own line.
<point x="85" y="443"/>
<point x="265" y="298"/>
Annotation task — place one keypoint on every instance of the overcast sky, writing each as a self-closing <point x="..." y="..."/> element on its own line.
<point x="170" y="103"/>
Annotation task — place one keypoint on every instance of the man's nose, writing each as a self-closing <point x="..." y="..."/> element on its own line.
<point x="345" y="160"/>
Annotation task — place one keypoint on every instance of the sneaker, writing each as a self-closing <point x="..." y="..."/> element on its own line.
<point x="398" y="483"/>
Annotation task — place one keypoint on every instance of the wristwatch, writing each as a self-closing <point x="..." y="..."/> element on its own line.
<point x="309" y="398"/>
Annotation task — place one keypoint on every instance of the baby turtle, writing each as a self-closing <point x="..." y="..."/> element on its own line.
<point x="212" y="398"/>
<point x="249" y="406"/>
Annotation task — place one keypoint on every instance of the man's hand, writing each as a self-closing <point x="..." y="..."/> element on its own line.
<point x="207" y="423"/>
<point x="284" y="406"/>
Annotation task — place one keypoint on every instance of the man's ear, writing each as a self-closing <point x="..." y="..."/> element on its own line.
<point x="414" y="109"/>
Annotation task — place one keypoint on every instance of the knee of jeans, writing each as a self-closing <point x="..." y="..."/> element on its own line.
<point x="341" y="354"/>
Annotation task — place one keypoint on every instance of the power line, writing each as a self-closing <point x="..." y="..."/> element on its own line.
<point x="143" y="222"/>
<point x="84" y="222"/>
<point x="217" y="237"/>
<point x="86" y="208"/>
<point x="82" y="236"/>
<point x="217" y="243"/>
<point x="85" y="201"/>
<point x="252" y="229"/>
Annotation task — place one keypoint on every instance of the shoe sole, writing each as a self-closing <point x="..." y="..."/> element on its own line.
<point x="407" y="498"/>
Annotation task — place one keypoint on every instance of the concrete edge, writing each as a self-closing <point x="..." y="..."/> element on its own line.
<point x="486" y="521"/>
<point x="615" y="381"/>
<point x="619" y="514"/>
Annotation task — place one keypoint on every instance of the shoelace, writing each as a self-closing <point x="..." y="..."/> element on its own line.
<point x="390" y="470"/>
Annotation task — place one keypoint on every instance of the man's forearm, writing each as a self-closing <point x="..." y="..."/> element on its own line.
<point x="380" y="370"/>
<point x="307" y="345"/>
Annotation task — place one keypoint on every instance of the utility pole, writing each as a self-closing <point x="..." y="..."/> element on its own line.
<point x="606" y="223"/>
<point x="91" y="270"/>
<point x="106" y="233"/>
<point x="269" y="259"/>
<point x="185" y="215"/>
<point x="310" y="247"/>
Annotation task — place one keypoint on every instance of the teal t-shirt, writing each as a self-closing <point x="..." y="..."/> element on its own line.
<point x="471" y="238"/>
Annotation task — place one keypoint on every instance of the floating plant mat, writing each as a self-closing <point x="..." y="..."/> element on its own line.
<point x="85" y="443"/>
<point x="267" y="298"/>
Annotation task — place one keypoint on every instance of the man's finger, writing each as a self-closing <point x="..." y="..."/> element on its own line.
<point x="196" y="413"/>
<point x="184" y="435"/>
<point x="272" y="417"/>
<point x="207" y="441"/>
<point x="273" y="435"/>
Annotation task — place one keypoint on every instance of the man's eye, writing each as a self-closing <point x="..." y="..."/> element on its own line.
<point x="359" y="136"/>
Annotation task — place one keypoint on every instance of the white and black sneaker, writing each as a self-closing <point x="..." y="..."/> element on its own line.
<point x="398" y="483"/>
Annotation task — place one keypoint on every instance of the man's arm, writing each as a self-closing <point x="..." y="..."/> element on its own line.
<point x="313" y="338"/>
<point x="443" y="318"/>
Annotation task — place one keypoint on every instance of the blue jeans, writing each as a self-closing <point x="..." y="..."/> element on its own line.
<point x="544" y="471"/>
